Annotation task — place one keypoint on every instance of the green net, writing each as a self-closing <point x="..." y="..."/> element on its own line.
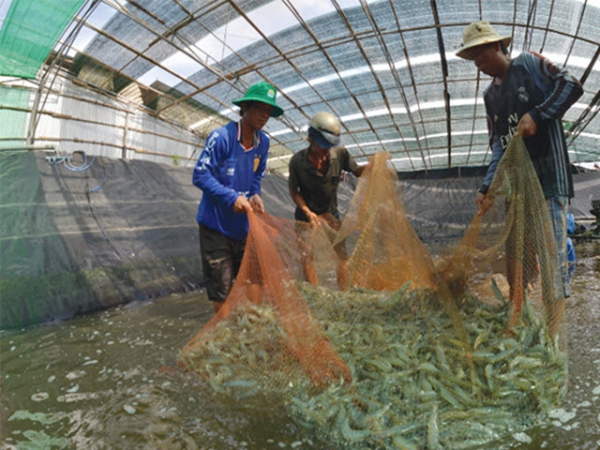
<point x="13" y="116"/>
<point x="30" y="31"/>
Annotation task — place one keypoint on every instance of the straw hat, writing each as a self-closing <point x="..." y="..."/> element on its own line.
<point x="479" y="33"/>
<point x="261" y="92"/>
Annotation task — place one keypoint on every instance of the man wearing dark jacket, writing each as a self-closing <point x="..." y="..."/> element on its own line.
<point x="528" y="95"/>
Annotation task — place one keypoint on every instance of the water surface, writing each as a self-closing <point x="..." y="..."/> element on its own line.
<point x="110" y="381"/>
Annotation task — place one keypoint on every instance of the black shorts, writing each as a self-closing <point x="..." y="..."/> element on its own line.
<point x="221" y="259"/>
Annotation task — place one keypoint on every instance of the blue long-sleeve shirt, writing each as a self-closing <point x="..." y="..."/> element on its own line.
<point x="533" y="85"/>
<point x="224" y="171"/>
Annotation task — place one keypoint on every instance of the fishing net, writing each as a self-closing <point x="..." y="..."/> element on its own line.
<point x="374" y="339"/>
<point x="265" y="324"/>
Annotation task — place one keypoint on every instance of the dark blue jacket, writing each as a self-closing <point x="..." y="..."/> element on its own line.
<point x="533" y="85"/>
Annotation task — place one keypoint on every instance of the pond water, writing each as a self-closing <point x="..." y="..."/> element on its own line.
<point x="110" y="381"/>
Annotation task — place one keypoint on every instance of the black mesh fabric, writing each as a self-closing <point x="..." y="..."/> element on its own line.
<point x="75" y="241"/>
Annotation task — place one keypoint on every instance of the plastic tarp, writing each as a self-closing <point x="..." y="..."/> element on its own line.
<point x="74" y="241"/>
<point x="440" y="208"/>
<point x="587" y="188"/>
<point x="83" y="234"/>
<point x="30" y="31"/>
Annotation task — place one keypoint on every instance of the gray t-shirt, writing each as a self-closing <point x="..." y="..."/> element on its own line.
<point x="319" y="191"/>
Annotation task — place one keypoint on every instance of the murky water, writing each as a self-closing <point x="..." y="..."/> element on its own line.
<point x="110" y="381"/>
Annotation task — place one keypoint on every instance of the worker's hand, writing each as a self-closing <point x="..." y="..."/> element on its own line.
<point x="312" y="217"/>
<point x="526" y="127"/>
<point x="241" y="205"/>
<point x="257" y="204"/>
<point x="332" y="221"/>
<point x="484" y="203"/>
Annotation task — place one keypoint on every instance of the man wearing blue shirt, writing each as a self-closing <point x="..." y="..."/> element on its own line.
<point x="528" y="95"/>
<point x="229" y="172"/>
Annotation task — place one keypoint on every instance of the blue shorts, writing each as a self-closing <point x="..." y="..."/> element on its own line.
<point x="557" y="207"/>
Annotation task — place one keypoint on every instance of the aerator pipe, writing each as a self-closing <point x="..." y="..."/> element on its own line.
<point x="28" y="148"/>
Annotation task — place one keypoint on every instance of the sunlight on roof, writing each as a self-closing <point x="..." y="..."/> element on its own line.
<point x="239" y="33"/>
<point x="594" y="3"/>
<point x="98" y="18"/>
<point x="4" y="7"/>
<point x="424" y="138"/>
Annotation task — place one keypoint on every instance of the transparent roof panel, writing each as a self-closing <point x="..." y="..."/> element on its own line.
<point x="387" y="68"/>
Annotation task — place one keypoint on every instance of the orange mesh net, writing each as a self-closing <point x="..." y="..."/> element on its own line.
<point x="518" y="231"/>
<point x="387" y="253"/>
<point x="264" y="292"/>
<point x="373" y="340"/>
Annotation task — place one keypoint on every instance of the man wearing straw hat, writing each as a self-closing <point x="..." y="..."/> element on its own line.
<point x="528" y="95"/>
<point x="229" y="171"/>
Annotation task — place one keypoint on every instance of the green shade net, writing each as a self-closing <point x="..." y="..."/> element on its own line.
<point x="30" y="31"/>
<point x="13" y="116"/>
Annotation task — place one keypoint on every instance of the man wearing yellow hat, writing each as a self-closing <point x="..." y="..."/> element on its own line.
<point x="528" y="95"/>
<point x="229" y="172"/>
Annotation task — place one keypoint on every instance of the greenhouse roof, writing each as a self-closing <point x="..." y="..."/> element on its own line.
<point x="387" y="68"/>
